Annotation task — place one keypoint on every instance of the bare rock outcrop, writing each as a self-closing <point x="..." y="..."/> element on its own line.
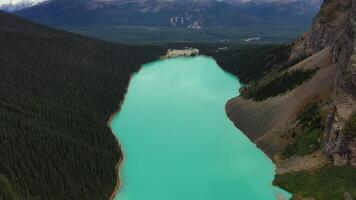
<point x="335" y="27"/>
<point x="348" y="196"/>
<point x="352" y="147"/>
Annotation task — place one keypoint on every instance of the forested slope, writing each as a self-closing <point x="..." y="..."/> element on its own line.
<point x="57" y="92"/>
<point x="251" y="62"/>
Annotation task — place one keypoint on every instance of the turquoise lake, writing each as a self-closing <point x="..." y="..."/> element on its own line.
<point x="178" y="143"/>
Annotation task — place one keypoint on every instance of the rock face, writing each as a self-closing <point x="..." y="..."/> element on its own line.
<point x="352" y="148"/>
<point x="335" y="27"/>
<point x="348" y="196"/>
<point x="330" y="44"/>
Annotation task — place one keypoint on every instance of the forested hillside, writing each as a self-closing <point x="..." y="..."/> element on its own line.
<point x="57" y="92"/>
<point x="251" y="62"/>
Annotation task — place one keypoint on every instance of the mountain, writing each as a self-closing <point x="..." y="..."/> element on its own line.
<point x="58" y="91"/>
<point x="300" y="10"/>
<point x="205" y="15"/>
<point x="299" y="105"/>
<point x="190" y="14"/>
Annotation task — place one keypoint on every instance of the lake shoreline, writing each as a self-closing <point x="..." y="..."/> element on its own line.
<point x="120" y="161"/>
<point x="275" y="163"/>
<point x="118" y="144"/>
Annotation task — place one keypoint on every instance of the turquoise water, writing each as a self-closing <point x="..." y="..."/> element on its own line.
<point x="179" y="144"/>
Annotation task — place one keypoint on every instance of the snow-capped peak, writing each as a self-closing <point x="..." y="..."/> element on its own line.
<point x="14" y="5"/>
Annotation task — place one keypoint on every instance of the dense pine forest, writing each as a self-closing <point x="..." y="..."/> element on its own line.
<point x="252" y="62"/>
<point x="281" y="84"/>
<point x="57" y="93"/>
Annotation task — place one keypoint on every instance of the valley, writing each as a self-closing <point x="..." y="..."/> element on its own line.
<point x="154" y="35"/>
<point x="292" y="101"/>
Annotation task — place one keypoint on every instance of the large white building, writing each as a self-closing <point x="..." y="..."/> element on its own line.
<point x="171" y="53"/>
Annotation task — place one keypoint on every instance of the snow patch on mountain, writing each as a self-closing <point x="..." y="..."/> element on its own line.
<point x="14" y="5"/>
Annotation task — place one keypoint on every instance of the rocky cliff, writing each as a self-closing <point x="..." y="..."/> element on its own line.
<point x="334" y="27"/>
<point x="276" y="124"/>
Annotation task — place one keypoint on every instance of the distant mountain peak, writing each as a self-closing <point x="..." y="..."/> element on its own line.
<point x="14" y="5"/>
<point x="313" y="3"/>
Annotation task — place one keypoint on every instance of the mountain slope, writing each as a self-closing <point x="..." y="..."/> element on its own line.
<point x="328" y="44"/>
<point x="206" y="16"/>
<point x="57" y="93"/>
<point x="301" y="112"/>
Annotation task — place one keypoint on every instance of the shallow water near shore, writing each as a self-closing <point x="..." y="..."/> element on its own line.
<point x="179" y="144"/>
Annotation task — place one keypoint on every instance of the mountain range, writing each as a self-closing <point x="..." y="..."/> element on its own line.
<point x="213" y="15"/>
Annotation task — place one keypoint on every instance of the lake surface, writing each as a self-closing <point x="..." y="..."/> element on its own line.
<point x="179" y="144"/>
